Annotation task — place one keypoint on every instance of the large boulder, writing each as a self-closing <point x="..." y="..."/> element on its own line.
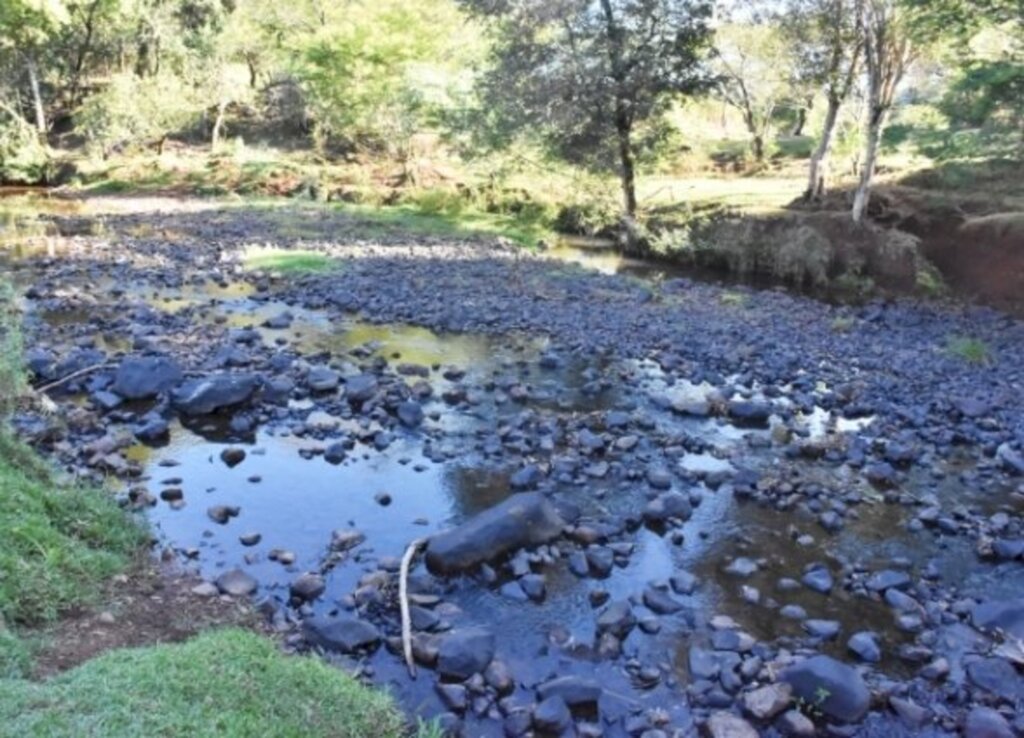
<point x="209" y="394"/>
<point x="524" y="519"/>
<point x="341" y="634"/>
<point x="143" y="377"/>
<point x="1004" y="615"/>
<point x="464" y="653"/>
<point x="830" y="686"/>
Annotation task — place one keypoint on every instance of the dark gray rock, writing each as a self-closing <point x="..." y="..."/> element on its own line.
<point x="830" y="686"/>
<point x="1004" y="615"/>
<point x="464" y="653"/>
<point x="667" y="506"/>
<point x="617" y="619"/>
<point x="819" y="579"/>
<point x="143" y="377"/>
<point x="552" y="715"/>
<point x="322" y="379"/>
<point x="574" y="690"/>
<point x="236" y="583"/>
<point x="308" y="587"/>
<point x="660" y="602"/>
<point x="344" y="635"/>
<point x="984" y="722"/>
<point x="865" y="646"/>
<point x="887" y="579"/>
<point x="214" y="392"/>
<point x="523" y="520"/>
<point x="997" y="676"/>
<point x="410" y="414"/>
<point x="360" y="388"/>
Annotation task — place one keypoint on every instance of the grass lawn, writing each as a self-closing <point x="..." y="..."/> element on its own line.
<point x="223" y="683"/>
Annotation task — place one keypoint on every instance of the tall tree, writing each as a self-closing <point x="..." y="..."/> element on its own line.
<point x="753" y="73"/>
<point x="826" y="37"/>
<point x="889" y="51"/>
<point x="584" y="76"/>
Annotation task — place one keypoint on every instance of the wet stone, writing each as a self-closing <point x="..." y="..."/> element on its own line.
<point x="345" y="635"/>
<point x="727" y="725"/>
<point x="465" y="652"/>
<point x="865" y="646"/>
<point x="236" y="583"/>
<point x="819" y="579"/>
<point x="984" y="722"/>
<point x="552" y="715"/>
<point x="847" y="697"/>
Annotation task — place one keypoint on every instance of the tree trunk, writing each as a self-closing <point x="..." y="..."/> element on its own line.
<point x="819" y="160"/>
<point x="867" y="172"/>
<point x="218" y="124"/>
<point x="758" y="145"/>
<point x="628" y="173"/>
<point x="37" y="97"/>
<point x="252" y="73"/>
<point x="801" y="121"/>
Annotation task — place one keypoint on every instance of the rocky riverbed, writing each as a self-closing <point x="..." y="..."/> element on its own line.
<point x="723" y="511"/>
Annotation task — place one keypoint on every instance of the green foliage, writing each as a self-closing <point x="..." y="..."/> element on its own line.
<point x="134" y="110"/>
<point x="222" y="684"/>
<point x="12" y="374"/>
<point x="23" y="158"/>
<point x="969" y="349"/>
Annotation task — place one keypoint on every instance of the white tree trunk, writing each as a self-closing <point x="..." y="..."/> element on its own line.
<point x="218" y="124"/>
<point x="819" y="160"/>
<point x="867" y="172"/>
<point x="37" y="97"/>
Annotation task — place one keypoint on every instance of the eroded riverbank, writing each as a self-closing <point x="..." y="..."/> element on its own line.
<point x="838" y="479"/>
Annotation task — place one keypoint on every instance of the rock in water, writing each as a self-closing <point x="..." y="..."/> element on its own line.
<point x="984" y="722"/>
<point x="204" y="396"/>
<point x="236" y="583"/>
<point x="830" y="686"/>
<point x="727" y="725"/>
<point x="143" y="377"/>
<point x="524" y="519"/>
<point x="465" y="653"/>
<point x="341" y="634"/>
<point x="1005" y="615"/>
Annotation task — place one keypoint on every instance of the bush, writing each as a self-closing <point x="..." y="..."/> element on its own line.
<point x="134" y="110"/>
<point x="23" y="158"/>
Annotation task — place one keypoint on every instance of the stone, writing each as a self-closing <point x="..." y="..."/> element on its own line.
<point x="830" y="686"/>
<point x="221" y="514"/>
<point x="410" y="414"/>
<point x="143" y="377"/>
<point x="214" y="392"/>
<point x="527" y="477"/>
<point x="660" y="602"/>
<point x="911" y="713"/>
<point x="997" y="676"/>
<point x="345" y="539"/>
<point x="360" y="388"/>
<point x="308" y="587"/>
<point x="766" y="702"/>
<point x="864" y="645"/>
<point x="819" y="579"/>
<point x="344" y="635"/>
<point x="887" y="579"/>
<point x="322" y="379"/>
<point x="747" y="412"/>
<point x="232" y="456"/>
<point x="453" y="696"/>
<point x="683" y="583"/>
<point x="667" y="506"/>
<point x="795" y="723"/>
<point x="727" y="725"/>
<point x="236" y="583"/>
<point x="464" y="653"/>
<point x="523" y="520"/>
<point x="1004" y="615"/>
<point x="741" y="566"/>
<point x="824" y="629"/>
<point x="984" y="722"/>
<point x="574" y="690"/>
<point x="552" y="715"/>
<point x="617" y="619"/>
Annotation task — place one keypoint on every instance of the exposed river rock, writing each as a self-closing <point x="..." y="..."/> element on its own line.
<point x="654" y="506"/>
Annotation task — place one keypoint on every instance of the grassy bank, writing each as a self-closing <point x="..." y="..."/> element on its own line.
<point x="222" y="683"/>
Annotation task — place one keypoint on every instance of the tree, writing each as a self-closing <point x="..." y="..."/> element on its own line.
<point x="584" y="76"/>
<point x="888" y="53"/>
<point x="827" y="40"/>
<point x="751" y="63"/>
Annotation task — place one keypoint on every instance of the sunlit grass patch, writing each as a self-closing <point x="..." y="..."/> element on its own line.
<point x="971" y="350"/>
<point x="221" y="683"/>
<point x="289" y="261"/>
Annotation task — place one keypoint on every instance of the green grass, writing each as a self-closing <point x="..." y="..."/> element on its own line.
<point x="290" y="261"/>
<point x="971" y="350"/>
<point x="58" y="543"/>
<point x="223" y="683"/>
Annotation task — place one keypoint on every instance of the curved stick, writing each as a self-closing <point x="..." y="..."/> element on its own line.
<point x="74" y="375"/>
<point x="403" y="601"/>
